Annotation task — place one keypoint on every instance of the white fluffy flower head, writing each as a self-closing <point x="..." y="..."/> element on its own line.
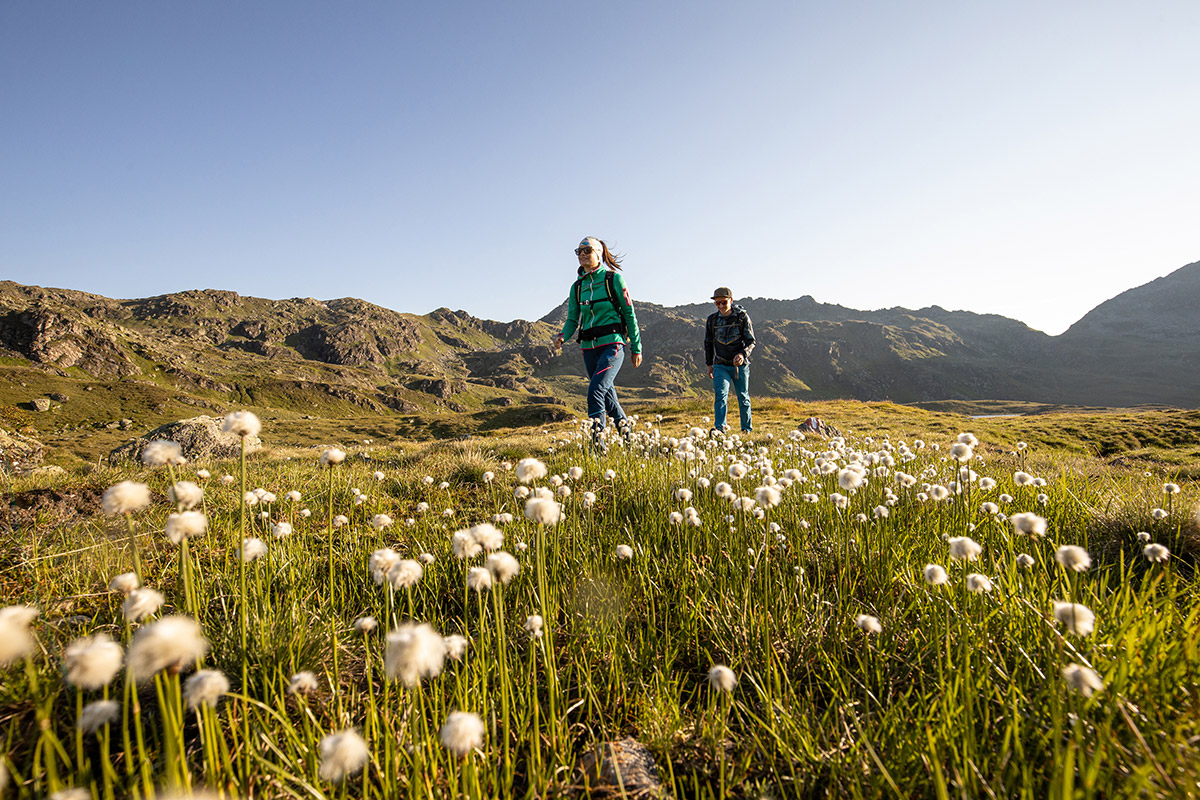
<point x="462" y="732"/>
<point x="242" y="423"/>
<point x="125" y="497"/>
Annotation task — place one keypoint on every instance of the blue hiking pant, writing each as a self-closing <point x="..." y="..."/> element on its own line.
<point x="603" y="364"/>
<point x="723" y="375"/>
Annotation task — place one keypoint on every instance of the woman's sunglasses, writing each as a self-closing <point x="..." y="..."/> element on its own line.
<point x="583" y="251"/>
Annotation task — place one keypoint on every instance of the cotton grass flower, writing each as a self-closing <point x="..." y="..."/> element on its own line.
<point x="1156" y="553"/>
<point x="989" y="508"/>
<point x="16" y="641"/>
<point x="405" y="573"/>
<point x="1025" y="561"/>
<point x="1170" y="488"/>
<point x="185" y="495"/>
<point x="543" y="511"/>
<point x="204" y="688"/>
<point x="960" y="451"/>
<point x="380" y="563"/>
<point x="979" y="584"/>
<point x="456" y="646"/>
<point x="125" y="497"/>
<point x="1028" y="524"/>
<point x="98" y="714"/>
<point x="74" y="793"/>
<point x="381" y="521"/>
<point x="124" y="583"/>
<point x="479" y="579"/>
<point x="141" y="603"/>
<point x="1073" y="557"/>
<point x="365" y="625"/>
<point x="1022" y="479"/>
<point x="503" y="566"/>
<point x="92" y="662"/>
<point x="415" y="651"/>
<point x="1159" y="514"/>
<point x="868" y="624"/>
<point x="850" y="479"/>
<point x="964" y="548"/>
<point x="530" y="469"/>
<point x="1082" y="679"/>
<point x="1077" y="619"/>
<point x="767" y="496"/>
<point x="721" y="678"/>
<point x="342" y="754"/>
<point x="935" y="574"/>
<point x="332" y="456"/>
<point x="281" y="530"/>
<point x="162" y="452"/>
<point x="533" y="625"/>
<point x="624" y="552"/>
<point x="302" y="683"/>
<point x="185" y="525"/>
<point x="167" y="644"/>
<point x="464" y="544"/>
<point x="488" y="536"/>
<point x="242" y="423"/>
<point x="253" y="549"/>
<point x="462" y="732"/>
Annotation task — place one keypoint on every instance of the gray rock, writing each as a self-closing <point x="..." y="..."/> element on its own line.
<point x="624" y="768"/>
<point x="41" y="404"/>
<point x="199" y="437"/>
<point x="59" y="397"/>
<point x="126" y="424"/>
<point x="19" y="452"/>
<point x="48" y="470"/>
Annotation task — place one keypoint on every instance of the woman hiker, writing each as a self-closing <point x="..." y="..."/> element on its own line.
<point x="600" y="309"/>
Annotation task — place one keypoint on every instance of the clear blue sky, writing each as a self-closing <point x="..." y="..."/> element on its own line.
<point x="1024" y="158"/>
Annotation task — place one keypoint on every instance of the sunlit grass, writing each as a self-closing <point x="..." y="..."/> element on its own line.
<point x="855" y="674"/>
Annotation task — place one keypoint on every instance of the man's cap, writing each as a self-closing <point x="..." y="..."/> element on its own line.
<point x="722" y="291"/>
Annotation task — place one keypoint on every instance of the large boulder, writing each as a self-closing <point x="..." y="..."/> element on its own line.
<point x="199" y="437"/>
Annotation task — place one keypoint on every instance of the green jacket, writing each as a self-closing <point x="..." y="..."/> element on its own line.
<point x="593" y="310"/>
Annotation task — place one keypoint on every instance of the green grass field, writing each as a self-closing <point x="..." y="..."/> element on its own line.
<point x="855" y="675"/>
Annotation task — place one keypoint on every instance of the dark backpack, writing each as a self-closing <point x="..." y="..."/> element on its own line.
<point x="610" y="292"/>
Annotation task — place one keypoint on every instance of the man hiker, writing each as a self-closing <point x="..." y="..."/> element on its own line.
<point x="728" y="340"/>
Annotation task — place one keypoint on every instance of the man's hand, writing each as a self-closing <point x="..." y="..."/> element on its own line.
<point x="710" y="370"/>
<point x="558" y="342"/>
<point x="738" y="360"/>
<point x="637" y="360"/>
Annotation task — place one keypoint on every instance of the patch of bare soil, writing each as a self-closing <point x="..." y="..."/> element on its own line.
<point x="49" y="506"/>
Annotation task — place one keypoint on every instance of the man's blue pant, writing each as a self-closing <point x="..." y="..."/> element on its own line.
<point x="603" y="364"/>
<point x="723" y="375"/>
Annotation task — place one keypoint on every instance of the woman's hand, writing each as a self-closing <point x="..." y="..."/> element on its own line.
<point x="637" y="360"/>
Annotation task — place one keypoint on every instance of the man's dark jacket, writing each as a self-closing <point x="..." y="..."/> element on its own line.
<point x="726" y="337"/>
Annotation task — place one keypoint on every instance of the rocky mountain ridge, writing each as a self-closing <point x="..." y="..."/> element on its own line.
<point x="216" y="347"/>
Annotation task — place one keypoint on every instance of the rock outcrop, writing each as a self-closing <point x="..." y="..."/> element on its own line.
<point x="199" y="438"/>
